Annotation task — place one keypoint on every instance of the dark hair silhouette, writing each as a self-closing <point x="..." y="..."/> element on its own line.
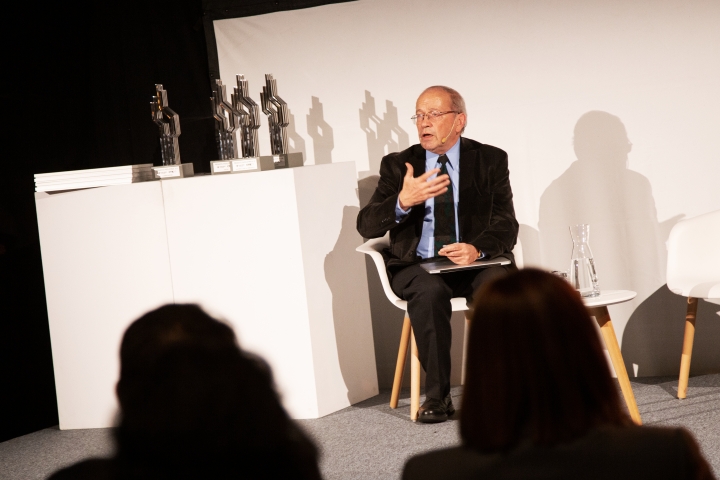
<point x="536" y="371"/>
<point x="193" y="405"/>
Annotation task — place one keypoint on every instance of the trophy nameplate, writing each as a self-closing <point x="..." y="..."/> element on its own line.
<point x="220" y="167"/>
<point x="173" y="171"/>
<point x="246" y="165"/>
<point x="252" y="164"/>
<point x="242" y="165"/>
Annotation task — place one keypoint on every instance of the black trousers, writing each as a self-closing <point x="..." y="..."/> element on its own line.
<point x="429" y="308"/>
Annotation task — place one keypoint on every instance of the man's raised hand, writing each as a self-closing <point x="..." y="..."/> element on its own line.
<point x="416" y="190"/>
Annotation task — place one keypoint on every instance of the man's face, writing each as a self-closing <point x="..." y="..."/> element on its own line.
<point x="432" y="131"/>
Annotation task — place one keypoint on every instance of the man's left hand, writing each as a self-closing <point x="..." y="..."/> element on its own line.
<point x="460" y="253"/>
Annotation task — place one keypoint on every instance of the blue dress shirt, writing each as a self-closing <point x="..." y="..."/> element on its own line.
<point x="427" y="238"/>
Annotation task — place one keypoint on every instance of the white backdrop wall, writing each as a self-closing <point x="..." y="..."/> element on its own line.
<point x="609" y="111"/>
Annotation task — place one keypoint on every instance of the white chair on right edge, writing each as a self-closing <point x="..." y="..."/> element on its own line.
<point x="693" y="271"/>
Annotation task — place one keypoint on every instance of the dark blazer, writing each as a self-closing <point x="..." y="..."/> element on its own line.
<point x="486" y="217"/>
<point x="605" y="453"/>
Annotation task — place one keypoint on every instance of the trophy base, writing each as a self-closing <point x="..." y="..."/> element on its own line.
<point x="286" y="160"/>
<point x="241" y="165"/>
<point x="167" y="172"/>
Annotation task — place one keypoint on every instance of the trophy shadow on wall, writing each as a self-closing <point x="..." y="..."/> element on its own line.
<point x="296" y="142"/>
<point x="321" y="133"/>
<point x="627" y="241"/>
<point x="383" y="135"/>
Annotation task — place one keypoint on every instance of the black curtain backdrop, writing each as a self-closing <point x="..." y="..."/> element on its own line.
<point x="76" y="88"/>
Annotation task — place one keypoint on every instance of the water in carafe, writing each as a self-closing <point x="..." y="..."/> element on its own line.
<point x="582" y="273"/>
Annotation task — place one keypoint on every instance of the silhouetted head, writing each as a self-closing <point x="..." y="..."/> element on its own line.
<point x="601" y="137"/>
<point x="536" y="371"/>
<point x="194" y="405"/>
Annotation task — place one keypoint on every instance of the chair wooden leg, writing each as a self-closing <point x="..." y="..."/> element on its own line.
<point x="400" y="365"/>
<point x="414" y="379"/>
<point x="687" y="347"/>
<point x="602" y="317"/>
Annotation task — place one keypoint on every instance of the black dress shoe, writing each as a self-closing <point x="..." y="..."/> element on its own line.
<point x="436" y="411"/>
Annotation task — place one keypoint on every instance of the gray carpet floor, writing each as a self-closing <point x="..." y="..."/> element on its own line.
<point x="371" y="441"/>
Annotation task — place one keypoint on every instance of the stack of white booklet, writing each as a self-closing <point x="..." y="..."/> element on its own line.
<point x="93" y="177"/>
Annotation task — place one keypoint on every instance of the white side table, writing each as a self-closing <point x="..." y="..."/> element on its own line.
<point x="597" y="307"/>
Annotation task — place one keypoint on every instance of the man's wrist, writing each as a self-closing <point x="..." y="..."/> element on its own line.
<point x="401" y="205"/>
<point x="400" y="212"/>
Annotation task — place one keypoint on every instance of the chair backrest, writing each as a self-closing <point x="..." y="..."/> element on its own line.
<point x="374" y="246"/>
<point x="694" y="254"/>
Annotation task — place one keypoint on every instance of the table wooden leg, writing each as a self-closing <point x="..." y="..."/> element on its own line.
<point x="414" y="378"/>
<point x="608" y="332"/>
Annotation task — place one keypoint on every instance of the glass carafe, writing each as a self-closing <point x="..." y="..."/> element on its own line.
<point x="582" y="275"/>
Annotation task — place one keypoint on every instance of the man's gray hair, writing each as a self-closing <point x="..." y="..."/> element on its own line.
<point x="458" y="102"/>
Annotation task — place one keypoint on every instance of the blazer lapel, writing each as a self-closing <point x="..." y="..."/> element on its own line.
<point x="469" y="163"/>
<point x="470" y="160"/>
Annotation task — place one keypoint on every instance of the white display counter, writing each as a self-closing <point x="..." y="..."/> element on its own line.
<point x="272" y="253"/>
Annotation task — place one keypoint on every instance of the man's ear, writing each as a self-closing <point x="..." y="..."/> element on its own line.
<point x="461" y="124"/>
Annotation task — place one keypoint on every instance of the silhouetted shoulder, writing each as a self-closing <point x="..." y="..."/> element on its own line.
<point x="93" y="469"/>
<point x="608" y="452"/>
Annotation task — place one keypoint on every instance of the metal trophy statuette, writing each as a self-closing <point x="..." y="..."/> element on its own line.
<point x="249" y="121"/>
<point x="278" y="119"/>
<point x="227" y="120"/>
<point x="169" y="123"/>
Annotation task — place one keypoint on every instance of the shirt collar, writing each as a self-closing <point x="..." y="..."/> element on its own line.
<point x="453" y="156"/>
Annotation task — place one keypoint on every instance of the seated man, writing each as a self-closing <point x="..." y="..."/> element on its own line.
<point x="446" y="197"/>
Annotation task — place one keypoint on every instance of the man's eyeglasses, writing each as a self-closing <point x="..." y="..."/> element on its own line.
<point x="418" y="118"/>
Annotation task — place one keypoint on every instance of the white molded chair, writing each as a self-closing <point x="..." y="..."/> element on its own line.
<point x="373" y="247"/>
<point x="693" y="271"/>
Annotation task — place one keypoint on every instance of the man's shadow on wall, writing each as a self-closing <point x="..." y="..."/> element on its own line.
<point x="627" y="241"/>
<point x="321" y="132"/>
